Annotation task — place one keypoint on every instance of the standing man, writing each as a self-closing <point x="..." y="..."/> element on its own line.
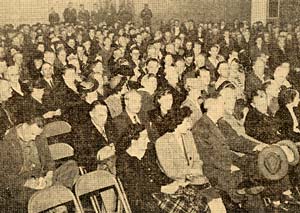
<point x="70" y="14"/>
<point x="53" y="17"/>
<point x="83" y="15"/>
<point x="146" y="15"/>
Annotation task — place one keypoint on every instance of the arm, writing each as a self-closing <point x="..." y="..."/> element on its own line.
<point x="171" y="163"/>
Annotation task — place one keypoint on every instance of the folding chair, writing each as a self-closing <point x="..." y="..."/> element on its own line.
<point x="61" y="150"/>
<point x="97" y="181"/>
<point x="51" y="197"/>
<point x="56" y="128"/>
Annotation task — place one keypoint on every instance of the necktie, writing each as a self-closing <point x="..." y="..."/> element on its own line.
<point x="136" y="120"/>
<point x="51" y="83"/>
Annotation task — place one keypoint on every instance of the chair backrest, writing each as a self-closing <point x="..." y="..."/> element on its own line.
<point x="61" y="150"/>
<point x="51" y="197"/>
<point x="99" y="180"/>
<point x="56" y="128"/>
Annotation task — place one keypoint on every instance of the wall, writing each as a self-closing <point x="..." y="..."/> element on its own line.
<point x="31" y="11"/>
<point x="199" y="10"/>
<point x="289" y="10"/>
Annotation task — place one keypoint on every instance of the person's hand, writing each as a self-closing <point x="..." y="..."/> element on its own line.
<point x="296" y="130"/>
<point x="170" y="188"/>
<point x="49" y="178"/>
<point x="57" y="112"/>
<point x="31" y="183"/>
<point x="260" y="147"/>
<point x="49" y="114"/>
<point x="197" y="180"/>
<point x="234" y="168"/>
<point x="106" y="152"/>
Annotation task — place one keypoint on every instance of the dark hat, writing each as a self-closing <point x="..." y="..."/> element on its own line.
<point x="89" y="85"/>
<point x="292" y="146"/>
<point x="272" y="163"/>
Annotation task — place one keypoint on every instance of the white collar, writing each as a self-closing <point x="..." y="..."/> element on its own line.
<point x="132" y="115"/>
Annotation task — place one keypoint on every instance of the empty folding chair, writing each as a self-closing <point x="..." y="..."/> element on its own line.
<point x="101" y="181"/>
<point x="51" y="197"/>
<point x="61" y="150"/>
<point x="56" y="128"/>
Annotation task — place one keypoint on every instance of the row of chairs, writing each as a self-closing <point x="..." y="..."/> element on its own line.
<point x="88" y="183"/>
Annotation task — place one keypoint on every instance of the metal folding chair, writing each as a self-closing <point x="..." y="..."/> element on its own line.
<point x="51" y="197"/>
<point x="56" y="128"/>
<point x="98" y="181"/>
<point x="61" y="150"/>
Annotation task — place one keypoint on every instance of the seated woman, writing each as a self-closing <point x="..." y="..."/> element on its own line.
<point x="139" y="173"/>
<point x="179" y="159"/>
<point x="287" y="115"/>
<point x="164" y="113"/>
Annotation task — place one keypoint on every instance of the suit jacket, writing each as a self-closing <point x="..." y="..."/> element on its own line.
<point x="15" y="106"/>
<point x="90" y="141"/>
<point x="261" y="127"/>
<point x="174" y="161"/>
<point x="256" y="52"/>
<point x="285" y="123"/>
<point x="217" y="157"/>
<point x="11" y="161"/>
<point x="212" y="145"/>
<point x="122" y="121"/>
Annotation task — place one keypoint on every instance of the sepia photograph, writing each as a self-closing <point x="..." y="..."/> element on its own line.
<point x="149" y="106"/>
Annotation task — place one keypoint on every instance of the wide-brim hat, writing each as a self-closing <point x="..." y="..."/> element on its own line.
<point x="272" y="163"/>
<point x="292" y="146"/>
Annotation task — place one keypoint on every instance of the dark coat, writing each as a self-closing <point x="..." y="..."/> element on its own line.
<point x="140" y="178"/>
<point x="14" y="105"/>
<point x="285" y="123"/>
<point x="216" y="155"/>
<point x="89" y="142"/>
<point x="53" y="18"/>
<point x="261" y="127"/>
<point x="70" y="15"/>
<point x="11" y="161"/>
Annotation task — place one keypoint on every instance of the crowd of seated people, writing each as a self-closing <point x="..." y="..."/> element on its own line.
<point x="178" y="114"/>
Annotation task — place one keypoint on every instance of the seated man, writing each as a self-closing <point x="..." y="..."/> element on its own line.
<point x="218" y="165"/>
<point x="27" y="166"/>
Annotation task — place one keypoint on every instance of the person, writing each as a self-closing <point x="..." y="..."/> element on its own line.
<point x="255" y="79"/>
<point x="193" y="101"/>
<point x="5" y="94"/>
<point x="223" y="73"/>
<point x="146" y="15"/>
<point x="19" y="91"/>
<point x="97" y="134"/>
<point x="70" y="14"/>
<point x="137" y="170"/>
<point x="164" y="113"/>
<point x="34" y="105"/>
<point x="149" y="87"/>
<point x="83" y="15"/>
<point x="179" y="159"/>
<point x="53" y="17"/>
<point x="258" y="123"/>
<point x="287" y="115"/>
<point x="28" y="166"/>
<point x="218" y="165"/>
<point x="132" y="114"/>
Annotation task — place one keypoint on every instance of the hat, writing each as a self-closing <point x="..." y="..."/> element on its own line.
<point x="89" y="85"/>
<point x="292" y="147"/>
<point x="272" y="163"/>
